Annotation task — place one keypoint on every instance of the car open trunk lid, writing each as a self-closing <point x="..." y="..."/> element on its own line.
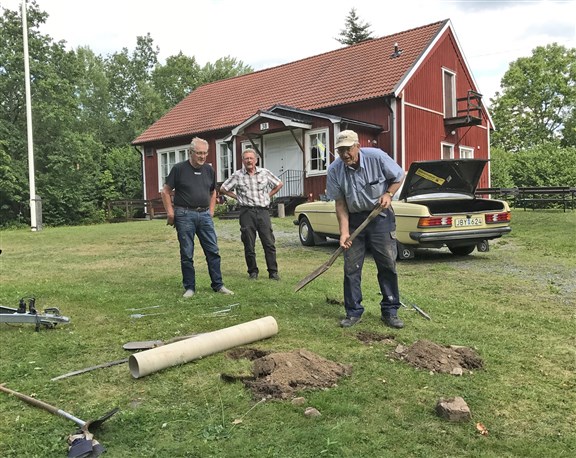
<point x="453" y="176"/>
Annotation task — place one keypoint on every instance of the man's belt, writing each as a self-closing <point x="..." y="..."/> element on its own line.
<point x="194" y="209"/>
<point x="254" y="207"/>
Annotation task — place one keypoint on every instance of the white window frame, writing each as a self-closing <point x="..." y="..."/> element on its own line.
<point x="166" y="158"/>
<point x="443" y="147"/>
<point x="224" y="162"/>
<point x="309" y="153"/>
<point x="466" y="152"/>
<point x="449" y="94"/>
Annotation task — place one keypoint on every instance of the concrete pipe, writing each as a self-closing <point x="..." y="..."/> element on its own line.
<point x="150" y="361"/>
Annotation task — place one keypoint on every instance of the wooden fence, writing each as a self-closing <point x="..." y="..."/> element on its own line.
<point x="535" y="197"/>
<point x="134" y="209"/>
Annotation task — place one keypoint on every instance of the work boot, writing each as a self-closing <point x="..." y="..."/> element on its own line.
<point x="274" y="276"/>
<point x="350" y="321"/>
<point x="253" y="276"/>
<point x="393" y="321"/>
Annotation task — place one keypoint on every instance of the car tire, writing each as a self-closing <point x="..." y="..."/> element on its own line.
<point x="483" y="246"/>
<point x="306" y="233"/>
<point x="404" y="251"/>
<point x="462" y="250"/>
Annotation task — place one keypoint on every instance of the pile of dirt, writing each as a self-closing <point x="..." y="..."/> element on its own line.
<point x="281" y="375"/>
<point x="425" y="354"/>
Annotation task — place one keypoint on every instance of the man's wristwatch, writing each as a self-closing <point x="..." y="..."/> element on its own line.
<point x="391" y="194"/>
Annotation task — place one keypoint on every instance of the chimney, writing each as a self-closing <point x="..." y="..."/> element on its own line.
<point x="397" y="51"/>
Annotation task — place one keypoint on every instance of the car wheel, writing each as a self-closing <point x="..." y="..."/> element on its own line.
<point x="306" y="233"/>
<point x="483" y="246"/>
<point x="462" y="250"/>
<point x="404" y="251"/>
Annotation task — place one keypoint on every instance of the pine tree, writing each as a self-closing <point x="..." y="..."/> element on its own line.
<point x="355" y="31"/>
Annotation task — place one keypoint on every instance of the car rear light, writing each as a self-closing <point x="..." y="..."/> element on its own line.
<point x="435" y="221"/>
<point x="493" y="218"/>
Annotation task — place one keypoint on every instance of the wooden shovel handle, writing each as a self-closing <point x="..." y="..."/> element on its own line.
<point x="30" y="400"/>
<point x="373" y="214"/>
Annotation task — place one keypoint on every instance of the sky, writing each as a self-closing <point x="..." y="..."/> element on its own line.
<point x="264" y="34"/>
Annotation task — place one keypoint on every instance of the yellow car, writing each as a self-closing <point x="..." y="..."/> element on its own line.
<point x="436" y="207"/>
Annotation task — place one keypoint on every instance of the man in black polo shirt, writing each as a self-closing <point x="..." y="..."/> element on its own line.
<point x="194" y="185"/>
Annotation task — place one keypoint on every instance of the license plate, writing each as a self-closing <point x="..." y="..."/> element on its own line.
<point x="465" y="222"/>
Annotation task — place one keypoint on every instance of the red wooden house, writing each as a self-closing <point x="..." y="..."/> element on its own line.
<point x="411" y="94"/>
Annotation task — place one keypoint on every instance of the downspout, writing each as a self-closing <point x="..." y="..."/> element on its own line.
<point x="142" y="174"/>
<point x="403" y="129"/>
<point x="392" y="128"/>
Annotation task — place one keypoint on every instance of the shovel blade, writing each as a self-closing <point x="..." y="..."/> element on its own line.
<point x="310" y="277"/>
<point x="95" y="424"/>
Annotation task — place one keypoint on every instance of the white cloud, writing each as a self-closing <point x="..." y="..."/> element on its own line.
<point x="267" y="33"/>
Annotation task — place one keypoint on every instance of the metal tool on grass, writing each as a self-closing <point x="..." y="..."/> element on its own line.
<point x="82" y="444"/>
<point x="418" y="309"/>
<point x="148" y="344"/>
<point x="142" y="345"/>
<point x="49" y="318"/>
<point x="89" y="369"/>
<point x="144" y="308"/>
<point x="141" y="315"/>
<point x="324" y="267"/>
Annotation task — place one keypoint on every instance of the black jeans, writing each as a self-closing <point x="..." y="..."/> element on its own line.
<point x="256" y="220"/>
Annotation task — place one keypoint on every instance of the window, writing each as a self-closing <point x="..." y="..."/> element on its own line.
<point x="317" y="153"/>
<point x="447" y="151"/>
<point x="166" y="160"/>
<point x="223" y="161"/>
<point x="466" y="152"/>
<point x="449" y="81"/>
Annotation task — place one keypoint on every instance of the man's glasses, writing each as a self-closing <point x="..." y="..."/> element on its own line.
<point x="200" y="153"/>
<point x="343" y="149"/>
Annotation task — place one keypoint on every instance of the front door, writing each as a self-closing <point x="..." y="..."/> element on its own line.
<point x="283" y="157"/>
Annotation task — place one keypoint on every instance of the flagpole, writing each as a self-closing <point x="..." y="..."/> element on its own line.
<point x="31" y="171"/>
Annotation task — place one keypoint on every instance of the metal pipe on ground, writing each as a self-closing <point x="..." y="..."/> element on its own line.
<point x="150" y="361"/>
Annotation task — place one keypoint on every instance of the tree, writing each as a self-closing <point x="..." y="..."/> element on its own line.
<point x="86" y="110"/>
<point x="176" y="79"/>
<point x="225" y="67"/>
<point x="354" y="30"/>
<point x="538" y="100"/>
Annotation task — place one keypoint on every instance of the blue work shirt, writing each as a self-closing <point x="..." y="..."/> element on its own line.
<point x="362" y="187"/>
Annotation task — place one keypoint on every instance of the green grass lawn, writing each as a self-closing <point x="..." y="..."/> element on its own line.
<point x="515" y="305"/>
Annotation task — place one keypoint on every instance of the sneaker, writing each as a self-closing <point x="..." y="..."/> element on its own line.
<point x="188" y="293"/>
<point x="274" y="276"/>
<point x="225" y="290"/>
<point x="253" y="276"/>
<point x="350" y="321"/>
<point x="393" y="321"/>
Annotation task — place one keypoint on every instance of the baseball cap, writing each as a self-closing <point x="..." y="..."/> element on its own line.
<point x="346" y="138"/>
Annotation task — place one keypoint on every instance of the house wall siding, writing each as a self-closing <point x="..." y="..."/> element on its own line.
<point x="424" y="106"/>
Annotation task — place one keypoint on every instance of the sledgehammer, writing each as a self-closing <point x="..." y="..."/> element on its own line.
<point x="83" y="444"/>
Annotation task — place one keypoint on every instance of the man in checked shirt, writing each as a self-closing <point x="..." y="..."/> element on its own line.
<point x="253" y="188"/>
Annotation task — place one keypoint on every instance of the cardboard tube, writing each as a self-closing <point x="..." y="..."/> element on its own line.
<point x="150" y="361"/>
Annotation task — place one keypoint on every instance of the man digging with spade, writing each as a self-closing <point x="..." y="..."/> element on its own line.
<point x="359" y="180"/>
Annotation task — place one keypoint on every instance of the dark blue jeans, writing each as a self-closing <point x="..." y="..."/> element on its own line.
<point x="191" y="223"/>
<point x="382" y="243"/>
<point x="254" y="221"/>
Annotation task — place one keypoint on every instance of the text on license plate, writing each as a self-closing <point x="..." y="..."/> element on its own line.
<point x="464" y="222"/>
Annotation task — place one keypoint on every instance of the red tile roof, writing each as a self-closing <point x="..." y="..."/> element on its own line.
<point x="350" y="74"/>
